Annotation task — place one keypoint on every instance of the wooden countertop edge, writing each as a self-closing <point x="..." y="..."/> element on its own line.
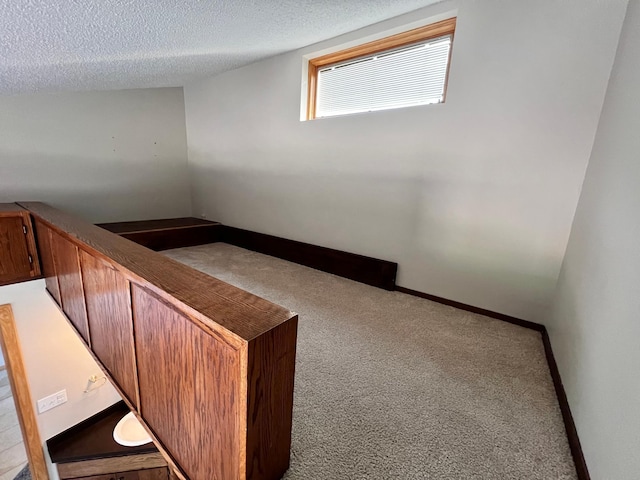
<point x="221" y="308"/>
<point x="10" y="209"/>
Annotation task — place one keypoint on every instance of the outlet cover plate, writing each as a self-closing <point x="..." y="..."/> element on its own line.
<point x="52" y="401"/>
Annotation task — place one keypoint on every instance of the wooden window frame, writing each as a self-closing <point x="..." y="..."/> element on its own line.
<point x="416" y="35"/>
<point x="12" y="352"/>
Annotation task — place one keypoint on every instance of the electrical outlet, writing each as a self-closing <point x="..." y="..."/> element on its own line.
<point x="47" y="403"/>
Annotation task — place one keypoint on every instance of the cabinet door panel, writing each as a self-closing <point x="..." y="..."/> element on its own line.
<point x="108" y="299"/>
<point x="67" y="262"/>
<point x="14" y="253"/>
<point x="46" y="257"/>
<point x="189" y="392"/>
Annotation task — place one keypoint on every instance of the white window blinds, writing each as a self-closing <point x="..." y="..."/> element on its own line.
<point x="403" y="77"/>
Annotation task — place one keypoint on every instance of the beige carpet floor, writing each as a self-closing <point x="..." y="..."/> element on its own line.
<point x="390" y="386"/>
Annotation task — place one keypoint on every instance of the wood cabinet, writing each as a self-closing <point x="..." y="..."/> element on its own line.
<point x="18" y="253"/>
<point x="206" y="367"/>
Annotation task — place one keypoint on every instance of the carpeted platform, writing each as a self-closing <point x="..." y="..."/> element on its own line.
<point x="390" y="386"/>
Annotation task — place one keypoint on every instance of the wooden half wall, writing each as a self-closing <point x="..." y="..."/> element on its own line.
<point x="206" y="367"/>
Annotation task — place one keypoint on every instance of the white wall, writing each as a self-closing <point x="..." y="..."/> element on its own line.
<point x="107" y="156"/>
<point x="473" y="198"/>
<point x="595" y="328"/>
<point x="54" y="359"/>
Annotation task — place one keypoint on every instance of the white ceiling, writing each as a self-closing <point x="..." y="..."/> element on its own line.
<point x="58" y="45"/>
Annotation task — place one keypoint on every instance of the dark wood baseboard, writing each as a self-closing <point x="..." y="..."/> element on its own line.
<point x="470" y="308"/>
<point x="188" y="232"/>
<point x="371" y="271"/>
<point x="567" y="417"/>
<point x="169" y="233"/>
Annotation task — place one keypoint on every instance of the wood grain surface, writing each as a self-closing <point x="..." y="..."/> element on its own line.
<point x="18" y="252"/>
<point x="271" y="368"/>
<point x="228" y="311"/>
<point x="167" y="233"/>
<point x="10" y="209"/>
<point x="176" y="233"/>
<point x="166" y="239"/>
<point x="67" y="262"/>
<point x="134" y="409"/>
<point x="108" y="300"/>
<point x="14" y="254"/>
<point x="21" y="394"/>
<point x="30" y="235"/>
<point x="189" y="389"/>
<point x="67" y="265"/>
<point x="152" y="474"/>
<point x="43" y="236"/>
<point x="215" y="364"/>
<point x="111" y="465"/>
<point x="372" y="271"/>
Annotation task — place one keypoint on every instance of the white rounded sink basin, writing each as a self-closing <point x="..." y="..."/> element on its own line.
<point x="129" y="432"/>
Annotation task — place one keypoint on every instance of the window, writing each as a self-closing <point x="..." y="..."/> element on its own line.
<point x="403" y="70"/>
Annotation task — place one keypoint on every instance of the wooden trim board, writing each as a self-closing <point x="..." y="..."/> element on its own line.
<point x="420" y="34"/>
<point x="368" y="270"/>
<point x="469" y="308"/>
<point x="102" y="466"/>
<point x="12" y="353"/>
<point x="168" y="233"/>
<point x="183" y="320"/>
<point x="567" y="417"/>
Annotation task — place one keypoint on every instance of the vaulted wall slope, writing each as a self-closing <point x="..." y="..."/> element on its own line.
<point x="594" y="328"/>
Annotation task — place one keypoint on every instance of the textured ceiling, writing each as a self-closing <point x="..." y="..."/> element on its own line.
<point x="58" y="45"/>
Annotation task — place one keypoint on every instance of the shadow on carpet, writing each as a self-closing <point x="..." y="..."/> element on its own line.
<point x="25" y="474"/>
